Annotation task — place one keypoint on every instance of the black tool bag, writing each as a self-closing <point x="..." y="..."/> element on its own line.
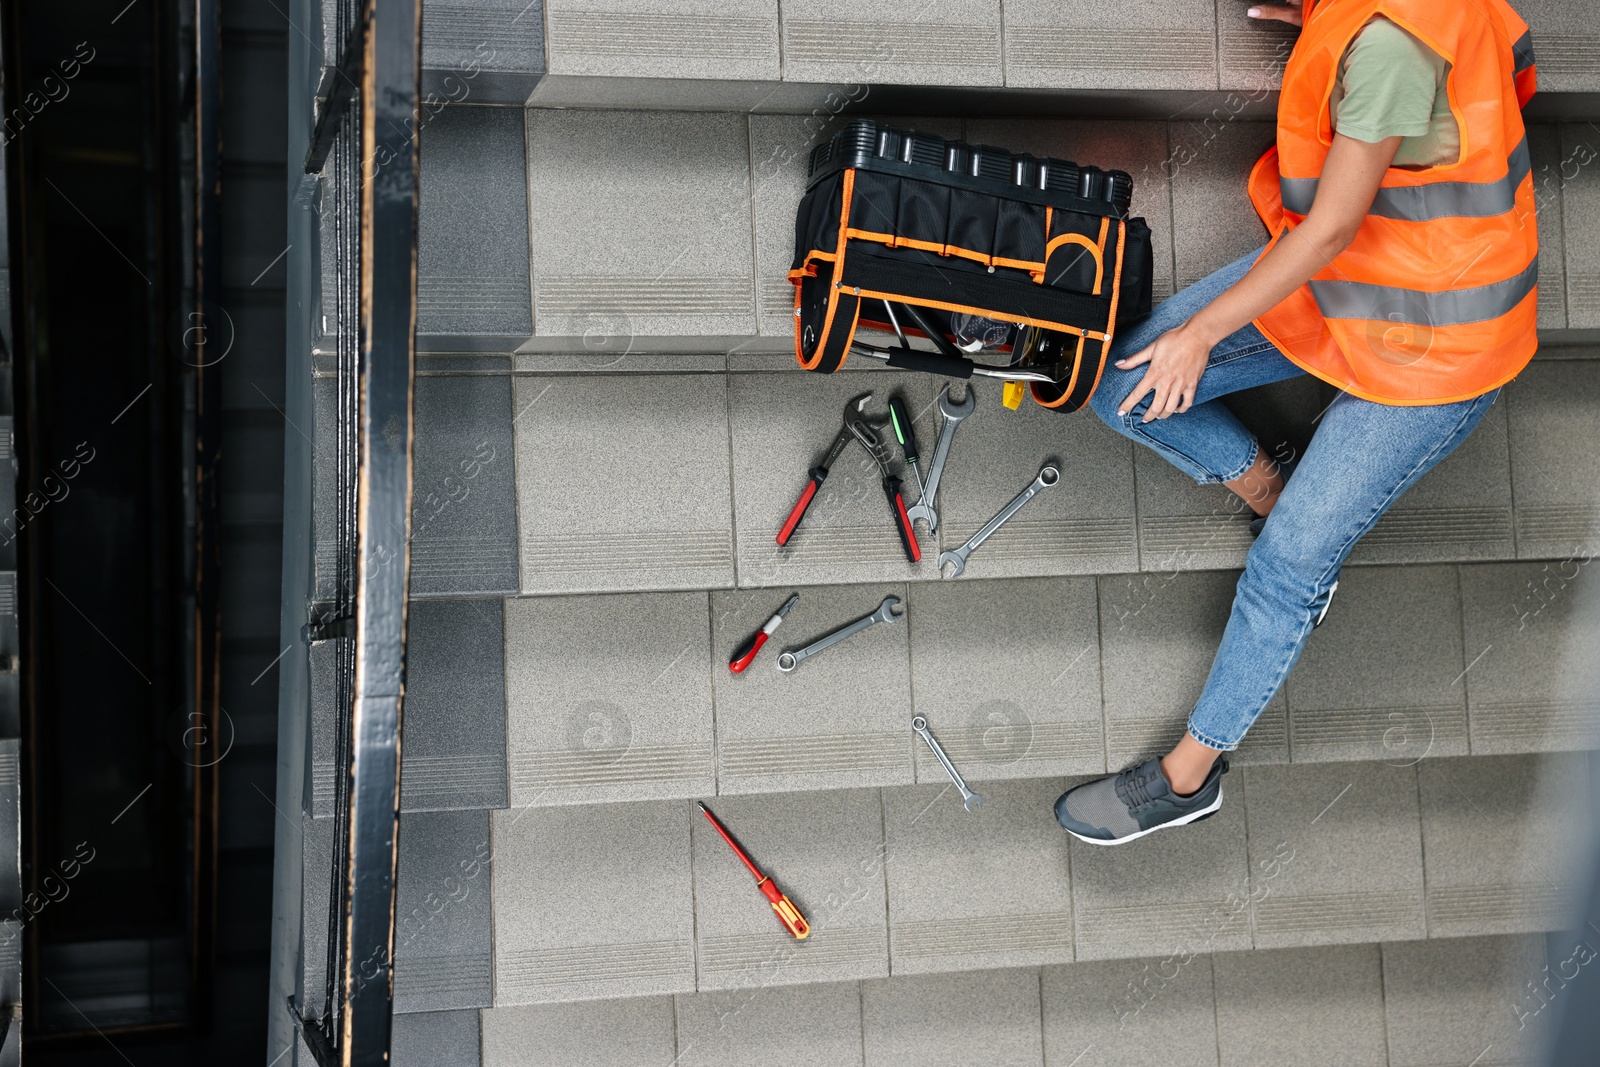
<point x="909" y="232"/>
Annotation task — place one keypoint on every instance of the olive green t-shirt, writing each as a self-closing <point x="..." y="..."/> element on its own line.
<point x="1392" y="85"/>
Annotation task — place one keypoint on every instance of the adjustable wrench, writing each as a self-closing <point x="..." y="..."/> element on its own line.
<point x="969" y="800"/>
<point x="886" y="612"/>
<point x="1048" y="476"/>
<point x="953" y="414"/>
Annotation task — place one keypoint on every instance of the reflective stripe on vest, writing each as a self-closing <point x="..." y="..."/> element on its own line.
<point x="1453" y="307"/>
<point x="1522" y="53"/>
<point x="1436" y="200"/>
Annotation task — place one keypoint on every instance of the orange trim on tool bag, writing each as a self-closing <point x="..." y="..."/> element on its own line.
<point x="1080" y="239"/>
<point x="969" y="309"/>
<point x="896" y="241"/>
<point x="1100" y="258"/>
<point x="1105" y="339"/>
<point x="849" y="188"/>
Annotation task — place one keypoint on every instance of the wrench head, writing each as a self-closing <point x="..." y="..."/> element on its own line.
<point x="956" y="412"/>
<point x="972" y="803"/>
<point x="787" y="662"/>
<point x="886" y="611"/>
<point x="919" y="723"/>
<point x="955" y="560"/>
<point x="926" y="513"/>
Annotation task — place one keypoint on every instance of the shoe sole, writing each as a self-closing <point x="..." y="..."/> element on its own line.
<point x="1194" y="816"/>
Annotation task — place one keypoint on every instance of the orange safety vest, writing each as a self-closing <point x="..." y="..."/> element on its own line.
<point x="1435" y="299"/>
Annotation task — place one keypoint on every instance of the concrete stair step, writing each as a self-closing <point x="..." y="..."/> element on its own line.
<point x="626" y="900"/>
<point x="1381" y="1003"/>
<point x="805" y="54"/>
<point x="670" y="231"/>
<point x="570" y="482"/>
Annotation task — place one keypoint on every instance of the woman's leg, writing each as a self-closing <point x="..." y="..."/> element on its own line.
<point x="1207" y="442"/>
<point x="1363" y="456"/>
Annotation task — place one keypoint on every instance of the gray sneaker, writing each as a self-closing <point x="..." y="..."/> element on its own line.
<point x="1135" y="802"/>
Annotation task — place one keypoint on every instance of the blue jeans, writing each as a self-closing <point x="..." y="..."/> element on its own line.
<point x="1362" y="457"/>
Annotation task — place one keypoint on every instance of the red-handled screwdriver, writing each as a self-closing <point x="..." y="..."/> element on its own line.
<point x="787" y="913"/>
<point x="746" y="652"/>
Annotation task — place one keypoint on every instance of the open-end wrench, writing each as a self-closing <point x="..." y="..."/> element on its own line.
<point x="886" y="612"/>
<point x="1048" y="476"/>
<point x="969" y="800"/>
<point x="953" y="414"/>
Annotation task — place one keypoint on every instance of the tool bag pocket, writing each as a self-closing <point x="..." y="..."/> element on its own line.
<point x="953" y="228"/>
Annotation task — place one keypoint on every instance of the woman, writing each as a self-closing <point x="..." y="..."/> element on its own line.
<point x="1402" y="269"/>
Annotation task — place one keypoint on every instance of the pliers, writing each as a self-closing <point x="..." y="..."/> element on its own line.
<point x="857" y="426"/>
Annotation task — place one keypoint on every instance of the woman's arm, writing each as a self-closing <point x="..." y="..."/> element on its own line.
<point x="1350" y="178"/>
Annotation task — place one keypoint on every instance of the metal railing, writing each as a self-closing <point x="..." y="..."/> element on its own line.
<point x="362" y="148"/>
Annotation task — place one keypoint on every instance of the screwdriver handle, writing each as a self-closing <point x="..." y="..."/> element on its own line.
<point x="903" y="431"/>
<point x="902" y="520"/>
<point x="787" y="913"/>
<point x="745" y="653"/>
<point x="798" y="512"/>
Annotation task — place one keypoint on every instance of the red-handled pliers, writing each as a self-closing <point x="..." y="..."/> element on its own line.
<point x="746" y="653"/>
<point x="873" y="442"/>
<point x="819" y="473"/>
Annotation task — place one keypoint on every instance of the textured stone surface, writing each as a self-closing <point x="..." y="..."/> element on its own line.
<point x="1460" y="510"/>
<point x="558" y="938"/>
<point x="611" y="1033"/>
<point x="1251" y="52"/>
<point x="823" y="850"/>
<point x="472" y="224"/>
<point x="1499" y="838"/>
<point x="1129" y="1013"/>
<point x="1082" y="525"/>
<point x="1152" y="45"/>
<point x="1551" y="407"/>
<point x="840" y="719"/>
<point x="1579" y="173"/>
<point x="1139" y="148"/>
<point x="442" y="932"/>
<point x="1381" y="678"/>
<point x="664" y="38"/>
<point x="989" y="1017"/>
<point x="1184" y="526"/>
<point x="949" y="913"/>
<point x="1158" y="636"/>
<point x="1127" y="901"/>
<point x="1319" y="1007"/>
<point x="1565" y="44"/>
<point x="455" y="712"/>
<point x="1009" y="677"/>
<point x="626" y="716"/>
<point x="464" y="488"/>
<point x="807" y="1026"/>
<point x="1213" y="222"/>
<point x="782" y="425"/>
<point x="1449" y="1001"/>
<point x="780" y="149"/>
<point x="622" y="483"/>
<point x="482" y="51"/>
<point x="943" y="42"/>
<point x="1524" y="627"/>
<point x="1335" y="854"/>
<point x="436" y="1039"/>
<point x="640" y="226"/>
<point x="1544" y="145"/>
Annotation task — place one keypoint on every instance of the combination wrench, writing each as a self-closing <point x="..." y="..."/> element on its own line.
<point x="953" y="414"/>
<point x="1048" y="476"/>
<point x="969" y="800"/>
<point x="886" y="612"/>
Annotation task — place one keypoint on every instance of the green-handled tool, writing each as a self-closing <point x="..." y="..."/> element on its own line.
<point x="907" y="438"/>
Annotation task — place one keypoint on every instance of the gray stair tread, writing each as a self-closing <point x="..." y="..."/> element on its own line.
<point x="1579" y="183"/>
<point x="454" y="756"/>
<point x="628" y="714"/>
<point x="1022" y="679"/>
<point x="1556" y="516"/>
<point x="1320" y="855"/>
<point x="1405" y="1004"/>
<point x="435" y="1039"/>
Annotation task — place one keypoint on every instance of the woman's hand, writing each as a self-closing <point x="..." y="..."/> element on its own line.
<point x="1289" y="13"/>
<point x="1177" y="359"/>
